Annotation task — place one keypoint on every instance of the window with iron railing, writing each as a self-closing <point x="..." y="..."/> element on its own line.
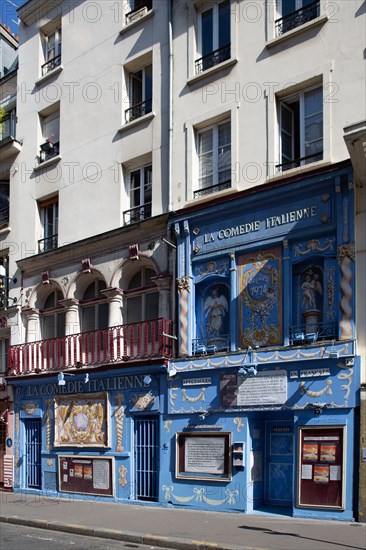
<point x="49" y="218"/>
<point x="214" y="35"/>
<point x="295" y="13"/>
<point x="214" y="159"/>
<point x="140" y="195"/>
<point x="140" y="93"/>
<point x="8" y="126"/>
<point x="52" y="51"/>
<point x="50" y="146"/>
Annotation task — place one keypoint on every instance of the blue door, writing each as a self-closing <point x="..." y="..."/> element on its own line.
<point x="147" y="457"/>
<point x="33" y="446"/>
<point x="279" y="489"/>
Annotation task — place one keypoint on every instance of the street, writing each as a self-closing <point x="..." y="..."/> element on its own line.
<point x="20" y="537"/>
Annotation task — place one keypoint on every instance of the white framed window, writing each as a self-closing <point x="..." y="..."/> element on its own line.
<point x="214" y="158"/>
<point x="214" y="35"/>
<point x="49" y="220"/>
<point x="50" y="146"/>
<point x="142" y="297"/>
<point x="52" y="55"/>
<point x="140" y="191"/>
<point x="8" y="125"/>
<point x="301" y="128"/>
<point x="53" y="317"/>
<point x="140" y="93"/>
<point x="294" y="13"/>
<point x="94" y="307"/>
<point x="4" y="345"/>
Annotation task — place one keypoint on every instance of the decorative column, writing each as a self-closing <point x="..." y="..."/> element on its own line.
<point x="33" y="362"/>
<point x="184" y="289"/>
<point x="346" y="255"/>
<point x="164" y="284"/>
<point x="33" y="330"/>
<point x="287" y="283"/>
<point x="115" y="300"/>
<point x="72" y="326"/>
<point x="233" y="302"/>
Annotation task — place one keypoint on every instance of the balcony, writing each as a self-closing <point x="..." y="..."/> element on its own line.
<point x="4" y="216"/>
<point x="9" y="146"/>
<point x="296" y="163"/>
<point x="212" y="59"/>
<point x="121" y="344"/>
<point x="137" y="214"/>
<point x="212" y="189"/>
<point x="313" y="332"/>
<point x="51" y="64"/>
<point x="49" y="243"/>
<point x="138" y="110"/>
<point x="297" y="18"/>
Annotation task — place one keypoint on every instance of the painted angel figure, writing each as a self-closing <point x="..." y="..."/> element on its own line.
<point x="216" y="307"/>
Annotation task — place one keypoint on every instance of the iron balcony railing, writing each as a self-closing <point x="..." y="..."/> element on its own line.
<point x="48" y="243"/>
<point x="295" y="163"/>
<point x="211" y="345"/>
<point x="135" y="341"/>
<point x="51" y="64"/>
<point x="313" y="332"/>
<point x="138" y="110"/>
<point x="212" y="189"/>
<point x="137" y="214"/>
<point x="297" y="18"/>
<point x="48" y="150"/>
<point x="4" y="215"/>
<point x="212" y="59"/>
<point x="8" y="127"/>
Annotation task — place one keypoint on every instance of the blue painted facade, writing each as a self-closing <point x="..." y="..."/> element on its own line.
<point x="266" y="322"/>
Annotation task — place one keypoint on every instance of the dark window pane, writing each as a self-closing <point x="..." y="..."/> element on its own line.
<point x="224" y="24"/>
<point x="207" y="32"/>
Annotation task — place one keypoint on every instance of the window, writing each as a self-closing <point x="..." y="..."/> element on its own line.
<point x="53" y="317"/>
<point x="138" y="8"/>
<point x="51" y="137"/>
<point x="94" y="311"/>
<point x="52" y="51"/>
<point x="8" y="125"/>
<point x="301" y="129"/>
<point x="294" y="13"/>
<point x="49" y="219"/>
<point x="140" y="93"/>
<point x="142" y="297"/>
<point x="140" y="195"/>
<point x="4" y="203"/>
<point x="4" y="345"/>
<point x="214" y="158"/>
<point x="214" y="36"/>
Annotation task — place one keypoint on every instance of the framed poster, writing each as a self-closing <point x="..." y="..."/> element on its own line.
<point x="88" y="475"/>
<point x="82" y="420"/>
<point x="203" y="455"/>
<point x="321" y="468"/>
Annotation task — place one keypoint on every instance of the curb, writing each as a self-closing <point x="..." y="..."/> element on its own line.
<point x="126" y="536"/>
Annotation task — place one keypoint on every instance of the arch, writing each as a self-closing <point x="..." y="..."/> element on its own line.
<point x="41" y="292"/>
<point x="128" y="269"/>
<point x="82" y="281"/>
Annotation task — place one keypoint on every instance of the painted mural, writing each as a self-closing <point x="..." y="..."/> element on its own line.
<point x="81" y="420"/>
<point x="260" y="282"/>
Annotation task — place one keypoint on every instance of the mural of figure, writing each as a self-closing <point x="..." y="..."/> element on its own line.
<point x="310" y="288"/>
<point x="216" y="307"/>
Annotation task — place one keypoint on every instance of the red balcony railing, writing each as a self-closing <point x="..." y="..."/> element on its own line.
<point x="144" y="340"/>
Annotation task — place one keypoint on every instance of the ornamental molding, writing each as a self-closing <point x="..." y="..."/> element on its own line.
<point x="184" y="284"/>
<point x="346" y="251"/>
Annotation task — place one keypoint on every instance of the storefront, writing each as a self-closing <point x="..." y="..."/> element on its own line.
<point x="262" y="400"/>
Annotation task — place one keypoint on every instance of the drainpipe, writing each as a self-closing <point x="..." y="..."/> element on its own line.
<point x="170" y="106"/>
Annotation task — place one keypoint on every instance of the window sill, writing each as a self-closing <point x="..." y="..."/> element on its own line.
<point x="48" y="75"/>
<point x="47" y="163"/>
<point x="217" y="68"/>
<point x="294" y="32"/>
<point x="212" y="196"/>
<point x="134" y="24"/>
<point x="136" y="122"/>
<point x="299" y="170"/>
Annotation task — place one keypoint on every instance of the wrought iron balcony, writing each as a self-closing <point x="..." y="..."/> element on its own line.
<point x="138" y="110"/>
<point x="214" y="58"/>
<point x="8" y="128"/>
<point x="295" y="163"/>
<point x="51" y="64"/>
<point x="212" y="345"/>
<point x="137" y="214"/>
<point x="212" y="189"/>
<point x="48" y="150"/>
<point x="297" y="18"/>
<point x="4" y="215"/>
<point x="136" y="341"/>
<point x="313" y="332"/>
<point x="49" y="243"/>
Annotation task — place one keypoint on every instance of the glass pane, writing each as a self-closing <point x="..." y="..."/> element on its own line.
<point x="134" y="313"/>
<point x="313" y="102"/>
<point x="225" y="134"/>
<point x="136" y="281"/>
<point x="206" y="165"/>
<point x="148" y="82"/>
<point x="89" y="292"/>
<point x="205" y="141"/>
<point x="135" y="179"/>
<point x="51" y="301"/>
<point x="152" y="306"/>
<point x="207" y="32"/>
<point x="103" y="315"/>
<point x="147" y="276"/>
<point x="88" y="318"/>
<point x="288" y="6"/>
<point x="61" y="321"/>
<point x="224" y="24"/>
<point x="136" y="88"/>
<point x="49" y="328"/>
<point x="313" y="127"/>
<point x="51" y="129"/>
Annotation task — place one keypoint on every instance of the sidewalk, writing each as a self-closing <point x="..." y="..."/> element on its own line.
<point x="179" y="528"/>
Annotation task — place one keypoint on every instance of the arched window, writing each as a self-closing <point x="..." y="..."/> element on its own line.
<point x="142" y="297"/>
<point x="94" y="307"/>
<point x="53" y="317"/>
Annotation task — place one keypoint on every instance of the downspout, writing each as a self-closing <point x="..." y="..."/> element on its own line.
<point x="170" y="101"/>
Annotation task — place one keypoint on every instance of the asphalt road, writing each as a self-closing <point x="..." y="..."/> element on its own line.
<point x="19" y="537"/>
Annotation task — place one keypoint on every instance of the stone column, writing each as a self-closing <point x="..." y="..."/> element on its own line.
<point x="164" y="285"/>
<point x="115" y="300"/>
<point x="72" y="326"/>
<point x="33" y="330"/>
<point x="33" y="362"/>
